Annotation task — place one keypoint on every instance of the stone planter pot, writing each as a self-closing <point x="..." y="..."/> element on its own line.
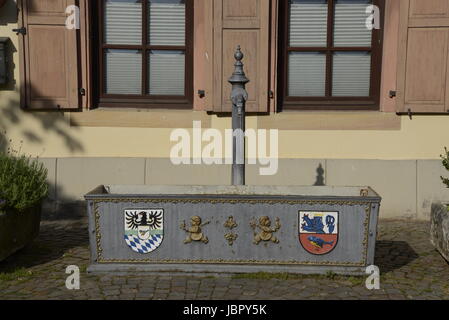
<point x="18" y="229"/>
<point x="439" y="228"/>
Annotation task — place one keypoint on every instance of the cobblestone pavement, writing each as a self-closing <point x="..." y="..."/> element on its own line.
<point x="410" y="269"/>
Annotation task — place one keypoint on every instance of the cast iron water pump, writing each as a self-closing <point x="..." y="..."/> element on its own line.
<point x="239" y="95"/>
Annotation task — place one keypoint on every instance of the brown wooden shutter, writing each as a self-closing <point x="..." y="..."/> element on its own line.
<point x="245" y="23"/>
<point x="423" y="84"/>
<point x="49" y="56"/>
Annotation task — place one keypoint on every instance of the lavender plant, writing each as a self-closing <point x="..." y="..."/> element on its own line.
<point x="445" y="158"/>
<point x="23" y="181"/>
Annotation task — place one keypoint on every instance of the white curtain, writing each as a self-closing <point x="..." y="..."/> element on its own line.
<point x="351" y="71"/>
<point x="167" y="22"/>
<point x="123" y="71"/>
<point x="350" y="28"/>
<point x="167" y="70"/>
<point x="351" y="74"/>
<point x="123" y="22"/>
<point x="307" y="74"/>
<point x="308" y="23"/>
<point x="166" y="26"/>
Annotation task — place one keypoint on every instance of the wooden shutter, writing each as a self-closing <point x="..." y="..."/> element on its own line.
<point x="423" y="83"/>
<point x="245" y="23"/>
<point x="49" y="61"/>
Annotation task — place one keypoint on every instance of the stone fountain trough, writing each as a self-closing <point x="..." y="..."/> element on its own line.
<point x="215" y="229"/>
<point x="232" y="229"/>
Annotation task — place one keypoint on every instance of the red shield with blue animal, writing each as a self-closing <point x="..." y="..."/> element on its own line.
<point x="318" y="231"/>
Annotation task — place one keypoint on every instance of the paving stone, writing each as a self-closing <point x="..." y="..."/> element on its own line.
<point x="144" y="296"/>
<point x="410" y="269"/>
<point x="129" y="291"/>
<point x="111" y="292"/>
<point x="119" y="281"/>
<point x="146" y="290"/>
<point x="127" y="297"/>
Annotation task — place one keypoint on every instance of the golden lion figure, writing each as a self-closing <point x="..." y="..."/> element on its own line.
<point x="195" y="231"/>
<point x="266" y="232"/>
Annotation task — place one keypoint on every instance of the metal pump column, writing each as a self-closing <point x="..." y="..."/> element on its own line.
<point x="239" y="95"/>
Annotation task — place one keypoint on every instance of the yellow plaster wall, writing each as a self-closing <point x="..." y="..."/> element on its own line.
<point x="47" y="134"/>
<point x="421" y="138"/>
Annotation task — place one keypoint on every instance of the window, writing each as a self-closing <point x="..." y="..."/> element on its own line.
<point x="145" y="53"/>
<point x="329" y="58"/>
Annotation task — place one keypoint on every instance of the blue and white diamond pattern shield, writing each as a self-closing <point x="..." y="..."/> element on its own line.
<point x="144" y="229"/>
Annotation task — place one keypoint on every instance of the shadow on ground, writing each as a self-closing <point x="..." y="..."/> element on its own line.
<point x="392" y="255"/>
<point x="54" y="240"/>
<point x="58" y="237"/>
<point x="65" y="209"/>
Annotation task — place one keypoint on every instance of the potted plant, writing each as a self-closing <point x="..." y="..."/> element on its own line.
<point x="23" y="186"/>
<point x="439" y="227"/>
<point x="445" y="158"/>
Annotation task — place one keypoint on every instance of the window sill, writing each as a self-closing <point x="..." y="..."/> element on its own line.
<point x="350" y="120"/>
<point x="318" y="104"/>
<point x="139" y="118"/>
<point x="144" y="104"/>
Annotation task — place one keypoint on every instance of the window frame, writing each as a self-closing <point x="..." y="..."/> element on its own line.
<point x="371" y="103"/>
<point x="143" y="100"/>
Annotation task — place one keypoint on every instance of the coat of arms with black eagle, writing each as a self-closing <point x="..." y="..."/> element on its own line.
<point x="144" y="229"/>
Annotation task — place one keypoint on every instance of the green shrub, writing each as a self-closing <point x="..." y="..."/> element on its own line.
<point x="23" y="181"/>
<point x="445" y="158"/>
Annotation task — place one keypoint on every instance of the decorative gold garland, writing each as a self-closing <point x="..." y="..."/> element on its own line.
<point x="366" y="226"/>
<point x="362" y="263"/>
<point x="234" y="201"/>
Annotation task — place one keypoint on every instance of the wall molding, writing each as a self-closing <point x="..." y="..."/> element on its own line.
<point x="294" y="120"/>
<point x="138" y="118"/>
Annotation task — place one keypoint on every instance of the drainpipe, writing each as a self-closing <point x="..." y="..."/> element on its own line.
<point x="239" y="95"/>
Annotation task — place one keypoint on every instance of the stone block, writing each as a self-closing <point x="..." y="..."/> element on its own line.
<point x="439" y="228"/>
